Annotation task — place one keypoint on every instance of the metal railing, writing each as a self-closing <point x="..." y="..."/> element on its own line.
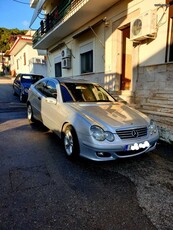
<point x="54" y="18"/>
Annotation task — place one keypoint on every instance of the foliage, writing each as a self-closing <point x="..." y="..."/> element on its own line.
<point x="8" y="36"/>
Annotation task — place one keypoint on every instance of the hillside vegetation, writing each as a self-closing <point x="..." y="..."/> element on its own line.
<point x="8" y="36"/>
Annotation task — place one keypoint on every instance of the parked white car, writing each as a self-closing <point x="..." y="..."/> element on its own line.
<point x="89" y="120"/>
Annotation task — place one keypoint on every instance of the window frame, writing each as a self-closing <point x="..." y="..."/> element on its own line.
<point x="86" y="57"/>
<point x="24" y="58"/>
<point x="86" y="62"/>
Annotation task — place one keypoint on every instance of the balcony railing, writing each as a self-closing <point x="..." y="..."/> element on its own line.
<point x="54" y="18"/>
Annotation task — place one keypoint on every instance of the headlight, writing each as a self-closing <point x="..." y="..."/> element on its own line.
<point x="109" y="136"/>
<point x="100" y="135"/>
<point x="152" y="127"/>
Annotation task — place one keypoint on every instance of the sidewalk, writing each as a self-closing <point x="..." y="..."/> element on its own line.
<point x="6" y="77"/>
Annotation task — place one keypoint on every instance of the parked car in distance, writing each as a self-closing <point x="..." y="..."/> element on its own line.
<point x="89" y="120"/>
<point x="22" y="82"/>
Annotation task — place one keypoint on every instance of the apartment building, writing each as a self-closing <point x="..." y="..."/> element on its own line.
<point x="125" y="45"/>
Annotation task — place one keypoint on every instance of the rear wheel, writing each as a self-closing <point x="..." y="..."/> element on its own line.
<point x="30" y="114"/>
<point x="71" y="144"/>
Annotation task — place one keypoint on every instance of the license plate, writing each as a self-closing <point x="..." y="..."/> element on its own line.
<point x="137" y="146"/>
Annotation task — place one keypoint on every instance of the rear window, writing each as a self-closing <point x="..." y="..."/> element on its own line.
<point x="30" y="78"/>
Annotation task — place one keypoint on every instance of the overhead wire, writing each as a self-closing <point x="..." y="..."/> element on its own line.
<point x="27" y="3"/>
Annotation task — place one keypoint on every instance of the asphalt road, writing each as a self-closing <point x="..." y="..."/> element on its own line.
<point x="41" y="189"/>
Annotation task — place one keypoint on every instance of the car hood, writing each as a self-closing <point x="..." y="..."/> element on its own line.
<point x="111" y="114"/>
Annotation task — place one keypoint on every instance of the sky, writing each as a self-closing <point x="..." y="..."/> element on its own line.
<point x="17" y="15"/>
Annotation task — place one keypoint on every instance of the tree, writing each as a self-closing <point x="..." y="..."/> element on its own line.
<point x="8" y="36"/>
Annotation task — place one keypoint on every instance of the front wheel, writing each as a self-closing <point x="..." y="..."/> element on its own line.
<point x="21" y="97"/>
<point x="71" y="145"/>
<point x="30" y="113"/>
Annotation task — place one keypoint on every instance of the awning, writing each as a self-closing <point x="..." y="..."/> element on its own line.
<point x="88" y="28"/>
<point x="37" y="11"/>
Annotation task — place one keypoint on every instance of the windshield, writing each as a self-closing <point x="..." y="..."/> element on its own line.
<point x="30" y="78"/>
<point x="84" y="92"/>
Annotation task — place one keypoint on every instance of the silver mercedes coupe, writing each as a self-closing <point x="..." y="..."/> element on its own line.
<point x="90" y="122"/>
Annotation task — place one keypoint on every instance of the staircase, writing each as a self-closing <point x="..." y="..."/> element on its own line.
<point x="160" y="108"/>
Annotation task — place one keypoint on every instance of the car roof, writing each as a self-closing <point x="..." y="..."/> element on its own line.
<point x="72" y="80"/>
<point x="33" y="74"/>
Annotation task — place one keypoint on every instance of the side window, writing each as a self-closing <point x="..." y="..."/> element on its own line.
<point x="24" y="58"/>
<point x="17" y="79"/>
<point x="65" y="94"/>
<point x="17" y="63"/>
<point x="87" y="62"/>
<point x="40" y="86"/>
<point x="86" y="58"/>
<point x="50" y="89"/>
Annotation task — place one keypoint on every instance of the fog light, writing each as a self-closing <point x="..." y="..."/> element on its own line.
<point x="103" y="154"/>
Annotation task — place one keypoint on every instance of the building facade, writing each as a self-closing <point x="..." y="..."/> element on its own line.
<point x="25" y="59"/>
<point x="126" y="46"/>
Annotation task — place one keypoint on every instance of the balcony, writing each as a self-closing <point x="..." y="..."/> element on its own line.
<point x="66" y="18"/>
<point x="37" y="61"/>
<point x="33" y="3"/>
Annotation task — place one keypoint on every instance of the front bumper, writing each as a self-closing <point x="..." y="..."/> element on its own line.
<point x="113" y="152"/>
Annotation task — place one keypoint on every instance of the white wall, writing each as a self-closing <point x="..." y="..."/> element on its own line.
<point x="40" y="69"/>
<point x="27" y="68"/>
<point x="74" y="45"/>
<point x="154" y="52"/>
<point x="106" y="59"/>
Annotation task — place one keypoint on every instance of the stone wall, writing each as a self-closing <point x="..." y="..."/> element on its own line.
<point x="154" y="96"/>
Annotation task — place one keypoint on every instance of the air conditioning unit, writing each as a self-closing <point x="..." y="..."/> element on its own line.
<point x="143" y="27"/>
<point x="66" y="63"/>
<point x="66" y="52"/>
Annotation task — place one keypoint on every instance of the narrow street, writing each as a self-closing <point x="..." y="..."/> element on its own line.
<point x="41" y="189"/>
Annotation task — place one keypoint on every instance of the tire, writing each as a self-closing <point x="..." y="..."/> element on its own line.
<point x="14" y="92"/>
<point x="21" y="97"/>
<point x="70" y="142"/>
<point x="30" y="114"/>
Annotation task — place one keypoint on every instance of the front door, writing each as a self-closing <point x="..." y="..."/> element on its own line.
<point x="127" y="49"/>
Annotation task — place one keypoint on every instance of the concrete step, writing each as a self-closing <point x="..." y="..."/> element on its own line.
<point x="163" y="95"/>
<point x="157" y="100"/>
<point x="162" y="98"/>
<point x="158" y="107"/>
<point x="165" y="91"/>
<point x="162" y="114"/>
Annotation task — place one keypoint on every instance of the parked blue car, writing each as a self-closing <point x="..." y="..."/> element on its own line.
<point x="21" y="84"/>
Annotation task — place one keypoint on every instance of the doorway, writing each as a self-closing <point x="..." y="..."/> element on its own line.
<point x="127" y="50"/>
<point x="58" y="69"/>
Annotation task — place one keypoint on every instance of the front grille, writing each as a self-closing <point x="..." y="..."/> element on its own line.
<point x="132" y="133"/>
